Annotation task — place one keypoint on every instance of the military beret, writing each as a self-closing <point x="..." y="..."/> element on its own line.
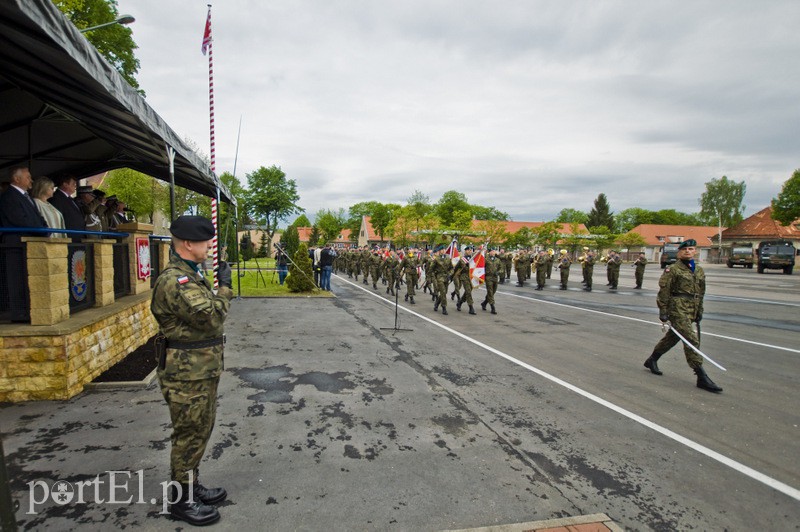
<point x="688" y="243"/>
<point x="85" y="189"/>
<point x="193" y="228"/>
<point x="439" y="247"/>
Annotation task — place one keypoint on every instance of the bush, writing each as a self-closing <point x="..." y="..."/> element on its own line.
<point x="301" y="278"/>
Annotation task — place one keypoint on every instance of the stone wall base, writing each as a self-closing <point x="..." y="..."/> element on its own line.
<point x="55" y="362"/>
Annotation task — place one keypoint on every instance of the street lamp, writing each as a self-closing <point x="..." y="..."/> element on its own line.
<point x="123" y="19"/>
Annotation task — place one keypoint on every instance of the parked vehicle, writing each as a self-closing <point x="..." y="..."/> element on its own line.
<point x="669" y="254"/>
<point x="776" y="255"/>
<point x="741" y="255"/>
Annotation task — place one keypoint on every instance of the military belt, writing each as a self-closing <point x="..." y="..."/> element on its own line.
<point x="686" y="296"/>
<point x="199" y="344"/>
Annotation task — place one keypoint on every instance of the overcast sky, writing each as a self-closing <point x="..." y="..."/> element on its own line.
<point x="527" y="106"/>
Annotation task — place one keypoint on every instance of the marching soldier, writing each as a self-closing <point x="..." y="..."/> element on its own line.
<point x="541" y="269"/>
<point x="520" y="264"/>
<point x="409" y="266"/>
<point x="614" y="262"/>
<point x="588" y="270"/>
<point x="375" y="263"/>
<point x="680" y="302"/>
<point x="640" y="264"/>
<point x="582" y="260"/>
<point x="442" y="269"/>
<point x="461" y="272"/>
<point x="191" y="318"/>
<point x="366" y="261"/>
<point x="550" y="257"/>
<point x="508" y="259"/>
<point x="429" y="285"/>
<point x="493" y="268"/>
<point x="564" y="263"/>
<point x="390" y="270"/>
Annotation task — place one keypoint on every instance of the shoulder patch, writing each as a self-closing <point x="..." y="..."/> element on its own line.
<point x="183" y="280"/>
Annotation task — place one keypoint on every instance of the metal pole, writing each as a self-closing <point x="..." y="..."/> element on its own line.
<point x="171" y="156"/>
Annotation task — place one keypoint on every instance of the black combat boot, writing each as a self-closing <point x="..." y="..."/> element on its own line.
<point x="588" y="289"/>
<point x="493" y="310"/>
<point x="406" y="298"/>
<point x="458" y="305"/>
<point x="195" y="512"/>
<point x="412" y="300"/>
<point x="435" y="304"/>
<point x="444" y="311"/>
<point x="209" y="495"/>
<point x="704" y="382"/>
<point x="374" y="286"/>
<point x="365" y="281"/>
<point x="472" y="310"/>
<point x="652" y="364"/>
<point x="387" y="289"/>
<point x="563" y="287"/>
<point x="483" y="305"/>
<point x="453" y="295"/>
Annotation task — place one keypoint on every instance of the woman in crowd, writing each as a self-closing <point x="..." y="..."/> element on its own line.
<point x="41" y="191"/>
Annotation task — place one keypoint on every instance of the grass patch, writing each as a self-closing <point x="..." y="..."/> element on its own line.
<point x="252" y="285"/>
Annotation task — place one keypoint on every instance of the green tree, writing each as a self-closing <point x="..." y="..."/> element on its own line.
<point x="631" y="240"/>
<point x="272" y="198"/>
<point x="313" y="237"/>
<point x="521" y="239"/>
<point x="115" y="42"/>
<point x="300" y="278"/>
<point x="357" y="212"/>
<point x="673" y="217"/>
<point x="246" y="247"/>
<point x="487" y="213"/>
<point x="232" y="218"/>
<point x="629" y="218"/>
<point x="449" y="204"/>
<point x="302" y="221"/>
<point x="262" y="245"/>
<point x="786" y="207"/>
<point x="721" y="203"/>
<point x="290" y="241"/>
<point x="381" y="218"/>
<point x="330" y="223"/>
<point x="603" y="237"/>
<point x="547" y="234"/>
<point x="139" y="191"/>
<point x="601" y="214"/>
<point x="569" y="216"/>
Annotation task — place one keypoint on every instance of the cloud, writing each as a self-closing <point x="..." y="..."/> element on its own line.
<point x="529" y="107"/>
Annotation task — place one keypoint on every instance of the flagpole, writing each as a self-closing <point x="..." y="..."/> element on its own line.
<point x="208" y="43"/>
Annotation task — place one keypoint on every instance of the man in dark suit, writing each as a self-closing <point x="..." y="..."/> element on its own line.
<point x="17" y="209"/>
<point x="63" y="201"/>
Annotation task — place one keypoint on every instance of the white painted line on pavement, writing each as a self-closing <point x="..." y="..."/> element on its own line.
<point x="705" y="333"/>
<point x="764" y="301"/>
<point x="794" y="493"/>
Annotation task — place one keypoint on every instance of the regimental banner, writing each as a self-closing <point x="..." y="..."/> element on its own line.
<point x="143" y="258"/>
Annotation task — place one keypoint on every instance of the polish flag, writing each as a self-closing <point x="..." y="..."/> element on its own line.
<point x="452" y="251"/>
<point x="477" y="269"/>
<point x="207" y="33"/>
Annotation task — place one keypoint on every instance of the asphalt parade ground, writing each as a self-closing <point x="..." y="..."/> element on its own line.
<point x="329" y="419"/>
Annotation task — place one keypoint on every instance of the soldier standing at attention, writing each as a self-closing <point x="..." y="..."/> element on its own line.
<point x="541" y="269"/>
<point x="492" y="267"/>
<point x="614" y="262"/>
<point x="502" y="271"/>
<point x="508" y="260"/>
<point x="680" y="302"/>
<point x="640" y="263"/>
<point x="409" y="266"/>
<point x="550" y="256"/>
<point x="588" y="270"/>
<point x="191" y="317"/>
<point x="582" y="260"/>
<point x="442" y="269"/>
<point x="461" y="272"/>
<point x="563" y="264"/>
<point x="520" y="263"/>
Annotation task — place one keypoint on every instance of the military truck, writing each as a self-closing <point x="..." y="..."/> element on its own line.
<point x="669" y="253"/>
<point x="776" y="255"/>
<point x="741" y="255"/>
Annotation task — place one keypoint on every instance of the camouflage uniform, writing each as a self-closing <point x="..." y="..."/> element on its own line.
<point x="588" y="270"/>
<point x="187" y="311"/>
<point x="563" y="264"/>
<point x="640" y="263"/>
<point x="521" y="263"/>
<point x="390" y="270"/>
<point x="461" y="272"/>
<point x="365" y="263"/>
<point x="549" y="264"/>
<point x="441" y="269"/>
<point x="409" y="266"/>
<point x="541" y="270"/>
<point x="492" y="268"/>
<point x="508" y="259"/>
<point x="613" y="265"/>
<point x="680" y="299"/>
<point x="375" y="266"/>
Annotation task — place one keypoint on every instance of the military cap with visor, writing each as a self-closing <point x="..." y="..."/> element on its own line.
<point x="192" y="228"/>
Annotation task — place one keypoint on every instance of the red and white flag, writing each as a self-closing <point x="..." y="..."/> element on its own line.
<point x="207" y="33"/>
<point x="477" y="268"/>
<point x="452" y="251"/>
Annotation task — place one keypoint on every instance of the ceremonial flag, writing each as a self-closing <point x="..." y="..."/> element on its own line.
<point x="477" y="269"/>
<point x="452" y="251"/>
<point x="207" y="33"/>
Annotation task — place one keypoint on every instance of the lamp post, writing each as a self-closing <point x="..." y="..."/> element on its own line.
<point x="123" y="19"/>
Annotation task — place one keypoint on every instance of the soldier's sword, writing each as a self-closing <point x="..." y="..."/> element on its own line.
<point x="685" y="341"/>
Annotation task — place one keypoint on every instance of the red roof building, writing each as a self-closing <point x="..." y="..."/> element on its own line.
<point x="656" y="236"/>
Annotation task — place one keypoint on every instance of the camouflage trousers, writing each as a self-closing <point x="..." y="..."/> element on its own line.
<point x="683" y="326"/>
<point x="192" y="409"/>
<point x="441" y="283"/>
<point x="588" y="273"/>
<point x="491" y="288"/>
<point x="639" y="275"/>
<point x="467" y="295"/>
<point x="564" y="277"/>
<point x="411" y="283"/>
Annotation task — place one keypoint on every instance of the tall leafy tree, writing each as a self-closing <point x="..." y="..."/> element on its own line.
<point x="488" y="213"/>
<point x="722" y="202"/>
<point x="449" y="204"/>
<point x="232" y="218"/>
<point x="139" y="191"/>
<point x="547" y="234"/>
<point x="115" y="42"/>
<point x="786" y="207"/>
<point x="568" y="216"/>
<point x="673" y="217"/>
<point x="601" y="215"/>
<point x="313" y="237"/>
<point x="290" y="241"/>
<point x="302" y="221"/>
<point x="300" y="277"/>
<point x="629" y="218"/>
<point x="381" y="218"/>
<point x="330" y="223"/>
<point x="272" y="198"/>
